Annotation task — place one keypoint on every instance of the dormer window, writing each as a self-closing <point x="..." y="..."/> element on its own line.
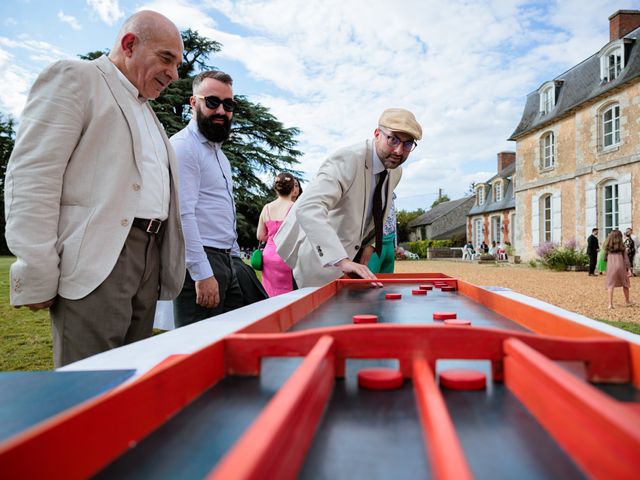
<point x="612" y="61"/>
<point x="547" y="97"/>
<point x="497" y="191"/>
<point x="480" y="195"/>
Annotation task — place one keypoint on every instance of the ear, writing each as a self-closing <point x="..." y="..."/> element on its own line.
<point x="127" y="42"/>
<point x="376" y="133"/>
<point x="192" y="102"/>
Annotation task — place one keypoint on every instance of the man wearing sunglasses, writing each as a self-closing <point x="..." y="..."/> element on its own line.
<point x="207" y="207"/>
<point x="91" y="203"/>
<point x="337" y="224"/>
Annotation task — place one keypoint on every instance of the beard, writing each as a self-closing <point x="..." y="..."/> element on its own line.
<point x="214" y="132"/>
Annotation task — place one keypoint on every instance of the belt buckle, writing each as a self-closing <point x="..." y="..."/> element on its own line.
<point x="154" y="226"/>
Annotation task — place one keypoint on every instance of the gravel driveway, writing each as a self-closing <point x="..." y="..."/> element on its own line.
<point x="573" y="291"/>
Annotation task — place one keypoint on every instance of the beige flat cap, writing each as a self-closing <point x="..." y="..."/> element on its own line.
<point x="401" y="120"/>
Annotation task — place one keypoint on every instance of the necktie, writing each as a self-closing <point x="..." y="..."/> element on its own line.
<point x="377" y="211"/>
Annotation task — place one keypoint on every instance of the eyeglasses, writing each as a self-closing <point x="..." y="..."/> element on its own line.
<point x="393" y="141"/>
<point x="213" y="102"/>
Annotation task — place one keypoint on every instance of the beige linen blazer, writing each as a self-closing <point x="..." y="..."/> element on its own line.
<point x="329" y="221"/>
<point x="73" y="185"/>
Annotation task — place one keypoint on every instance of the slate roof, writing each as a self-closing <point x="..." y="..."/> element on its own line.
<point x="578" y="85"/>
<point x="438" y="211"/>
<point x="508" y="201"/>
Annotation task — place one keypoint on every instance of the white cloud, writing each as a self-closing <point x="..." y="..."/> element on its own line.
<point x="107" y="10"/>
<point x="69" y="19"/>
<point x="16" y="83"/>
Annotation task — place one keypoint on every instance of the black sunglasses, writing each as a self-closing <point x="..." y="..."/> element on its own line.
<point x="213" y="102"/>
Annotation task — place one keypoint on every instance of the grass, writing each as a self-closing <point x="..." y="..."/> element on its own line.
<point x="25" y="336"/>
<point x="628" y="326"/>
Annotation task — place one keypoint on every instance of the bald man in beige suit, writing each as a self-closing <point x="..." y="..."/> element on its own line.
<point x="330" y="229"/>
<point x="90" y="194"/>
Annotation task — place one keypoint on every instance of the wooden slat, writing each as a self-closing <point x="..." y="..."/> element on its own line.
<point x="441" y="441"/>
<point x="601" y="434"/>
<point x="276" y="444"/>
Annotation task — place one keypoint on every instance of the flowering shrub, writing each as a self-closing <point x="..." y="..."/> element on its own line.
<point x="420" y="247"/>
<point x="558" y="257"/>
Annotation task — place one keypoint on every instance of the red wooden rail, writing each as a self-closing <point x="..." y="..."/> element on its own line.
<point x="441" y="441"/>
<point x="606" y="360"/>
<point x="276" y="444"/>
<point x="601" y="434"/>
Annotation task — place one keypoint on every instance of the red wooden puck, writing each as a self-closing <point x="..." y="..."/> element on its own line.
<point x="444" y="315"/>
<point x="447" y="288"/>
<point x="458" y="379"/>
<point x="455" y="321"/>
<point x="365" y="319"/>
<point x="393" y="296"/>
<point x="419" y="292"/>
<point x="380" y="378"/>
<point x="426" y="287"/>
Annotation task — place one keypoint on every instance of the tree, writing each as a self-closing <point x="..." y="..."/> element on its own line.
<point x="258" y="142"/>
<point x="441" y="199"/>
<point x="403" y="218"/>
<point x="7" y="139"/>
<point x="472" y="188"/>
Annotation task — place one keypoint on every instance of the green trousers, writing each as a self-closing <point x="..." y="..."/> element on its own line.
<point x="385" y="262"/>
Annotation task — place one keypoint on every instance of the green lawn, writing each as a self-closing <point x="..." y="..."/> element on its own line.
<point x="25" y="336"/>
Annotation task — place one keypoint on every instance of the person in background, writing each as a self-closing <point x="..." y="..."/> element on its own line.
<point x="299" y="191"/>
<point x="484" y="247"/>
<point x="593" y="247"/>
<point x="207" y="206"/>
<point x="494" y="248"/>
<point x="385" y="262"/>
<point x="618" y="267"/>
<point x="90" y="194"/>
<point x="630" y="244"/>
<point x="276" y="275"/>
<point x="341" y="214"/>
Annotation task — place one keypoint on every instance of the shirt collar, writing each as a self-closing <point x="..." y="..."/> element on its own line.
<point x="378" y="167"/>
<point x="193" y="127"/>
<point x="128" y="85"/>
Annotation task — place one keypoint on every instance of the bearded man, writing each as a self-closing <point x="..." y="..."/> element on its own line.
<point x="207" y="207"/>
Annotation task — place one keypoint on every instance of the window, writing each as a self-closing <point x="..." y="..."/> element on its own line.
<point x="546" y="218"/>
<point x="481" y="195"/>
<point x="477" y="232"/>
<point x="612" y="61"/>
<point x="610" y="208"/>
<point x="497" y="191"/>
<point x="496" y="230"/>
<point x="547" y="97"/>
<point x="547" y="150"/>
<point x="423" y="232"/>
<point x="611" y="126"/>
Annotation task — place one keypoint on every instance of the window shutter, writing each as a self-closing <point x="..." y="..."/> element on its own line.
<point x="624" y="203"/>
<point x="556" y="218"/>
<point x="590" y="212"/>
<point x="535" y="221"/>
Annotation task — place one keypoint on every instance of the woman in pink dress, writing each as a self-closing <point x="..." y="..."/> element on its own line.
<point x="618" y="267"/>
<point x="276" y="275"/>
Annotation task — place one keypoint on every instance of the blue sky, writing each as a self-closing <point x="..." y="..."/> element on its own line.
<point x="330" y="67"/>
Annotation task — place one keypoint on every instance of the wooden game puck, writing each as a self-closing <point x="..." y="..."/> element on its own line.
<point x="380" y="378"/>
<point x="448" y="288"/>
<point x="444" y="315"/>
<point x="365" y="319"/>
<point x="455" y="321"/>
<point x="393" y="296"/>
<point x="419" y="292"/>
<point x="426" y="287"/>
<point x="458" y="379"/>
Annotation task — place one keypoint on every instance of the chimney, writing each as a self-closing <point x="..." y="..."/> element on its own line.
<point x="623" y="22"/>
<point x="505" y="159"/>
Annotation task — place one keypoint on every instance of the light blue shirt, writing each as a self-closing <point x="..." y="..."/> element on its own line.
<point x="207" y="208"/>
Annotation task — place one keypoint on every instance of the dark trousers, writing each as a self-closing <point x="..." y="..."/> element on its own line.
<point x="185" y="309"/>
<point x="252" y="289"/>
<point x="593" y="260"/>
<point x="118" y="312"/>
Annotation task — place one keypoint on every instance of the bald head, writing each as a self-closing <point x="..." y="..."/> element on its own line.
<point x="148" y="51"/>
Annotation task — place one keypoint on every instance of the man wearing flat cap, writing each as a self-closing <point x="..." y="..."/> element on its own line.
<point x="337" y="224"/>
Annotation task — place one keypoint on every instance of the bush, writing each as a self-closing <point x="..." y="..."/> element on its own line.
<point x="420" y="247"/>
<point x="558" y="257"/>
